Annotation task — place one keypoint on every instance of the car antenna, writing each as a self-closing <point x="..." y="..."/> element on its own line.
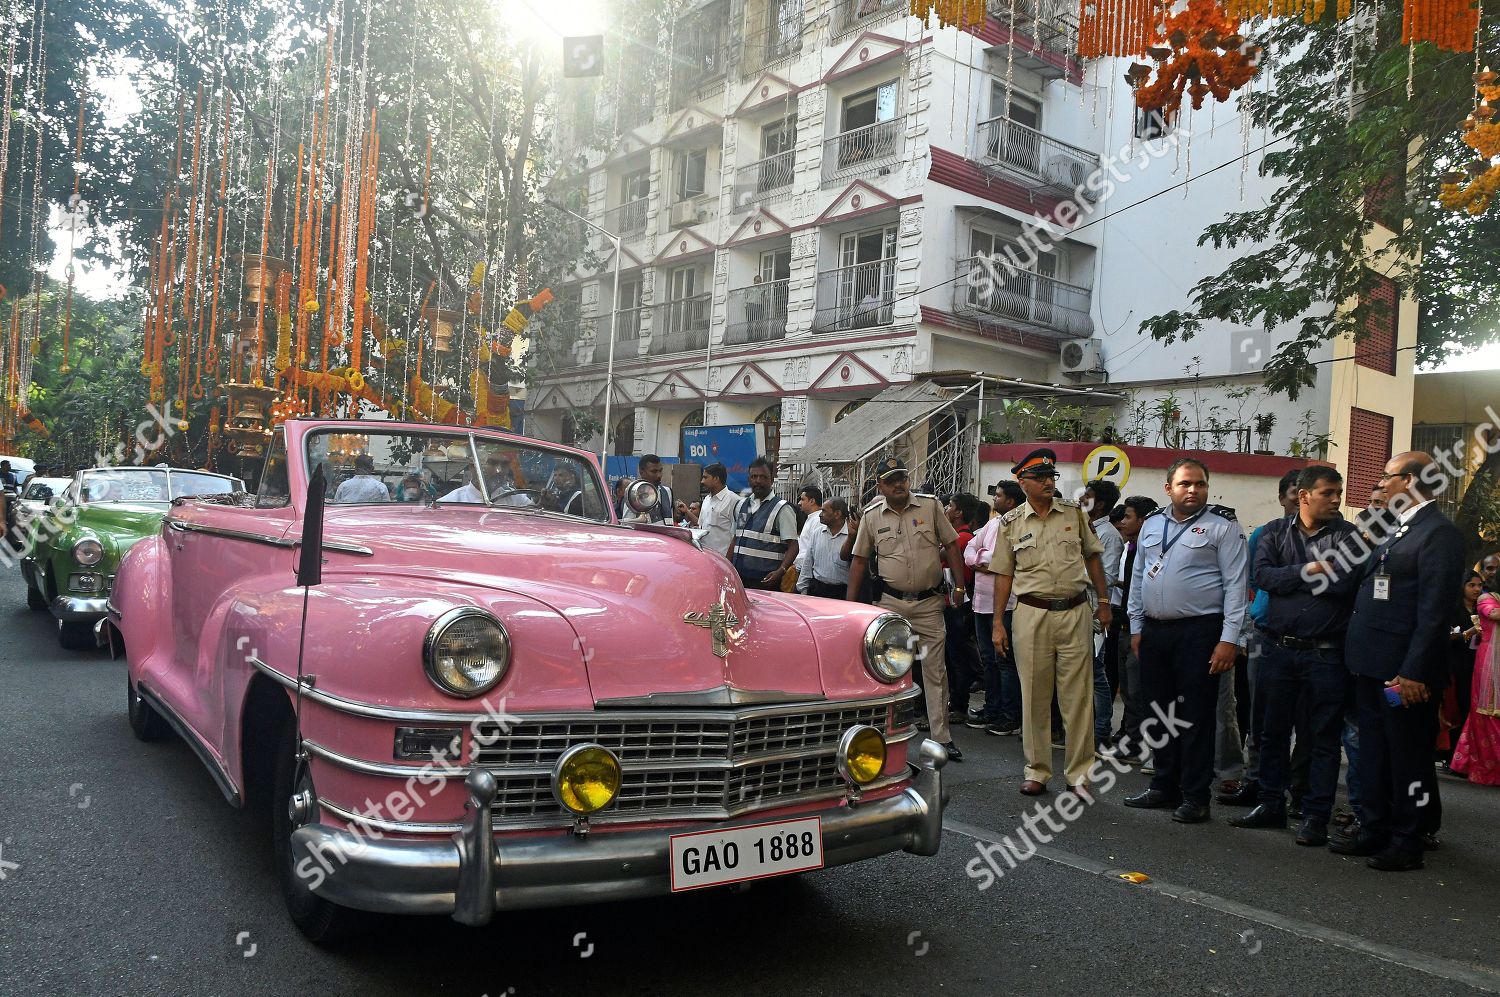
<point x="309" y="573"/>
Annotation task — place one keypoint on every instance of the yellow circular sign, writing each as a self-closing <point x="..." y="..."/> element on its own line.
<point x="1109" y="463"/>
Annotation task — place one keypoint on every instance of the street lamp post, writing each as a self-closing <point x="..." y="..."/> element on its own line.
<point x="614" y="319"/>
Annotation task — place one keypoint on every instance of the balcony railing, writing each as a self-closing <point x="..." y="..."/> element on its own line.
<point x="764" y="179"/>
<point x="757" y="314"/>
<point x="1053" y="24"/>
<point x="626" y="220"/>
<point x="862" y="151"/>
<point x="1022" y="150"/>
<point x="856" y="297"/>
<point x="849" y="15"/>
<point x="681" y="324"/>
<point x="774" y="42"/>
<point x="698" y="69"/>
<point x="992" y="291"/>
<point x="628" y="340"/>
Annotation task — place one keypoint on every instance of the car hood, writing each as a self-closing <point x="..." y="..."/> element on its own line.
<point x="626" y="593"/>
<point x="123" y="522"/>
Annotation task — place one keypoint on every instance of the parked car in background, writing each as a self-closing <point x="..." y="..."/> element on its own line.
<point x="70" y="559"/>
<point x="20" y="469"/>
<point x="36" y="497"/>
<point x="497" y="696"/>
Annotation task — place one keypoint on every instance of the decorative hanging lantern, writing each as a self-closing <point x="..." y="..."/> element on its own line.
<point x="1474" y="189"/>
<point x="441" y="321"/>
<point x="1200" y="52"/>
<point x="261" y="273"/>
<point x="958" y="14"/>
<point x="248" y="426"/>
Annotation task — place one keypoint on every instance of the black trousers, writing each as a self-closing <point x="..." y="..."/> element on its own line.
<point x="1398" y="787"/>
<point x="1174" y="672"/>
<point x="828" y="590"/>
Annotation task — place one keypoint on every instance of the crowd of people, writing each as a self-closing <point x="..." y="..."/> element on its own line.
<point x="1315" y="639"/>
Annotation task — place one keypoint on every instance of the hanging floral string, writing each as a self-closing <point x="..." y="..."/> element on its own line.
<point x="1114" y="27"/>
<point x="1448" y="24"/>
<point x="958" y="14"/>
<point x="1199" y="52"/>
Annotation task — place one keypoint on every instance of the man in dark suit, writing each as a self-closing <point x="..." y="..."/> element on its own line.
<point x="1396" y="647"/>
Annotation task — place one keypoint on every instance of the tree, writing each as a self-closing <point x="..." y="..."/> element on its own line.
<point x="1367" y="151"/>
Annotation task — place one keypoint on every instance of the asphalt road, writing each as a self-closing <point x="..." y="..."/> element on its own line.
<point x="123" y="871"/>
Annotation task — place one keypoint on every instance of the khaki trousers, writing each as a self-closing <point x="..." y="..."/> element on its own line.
<point x="926" y="618"/>
<point x="1055" y="649"/>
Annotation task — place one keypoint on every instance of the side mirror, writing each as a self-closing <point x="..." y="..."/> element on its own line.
<point x="642" y="495"/>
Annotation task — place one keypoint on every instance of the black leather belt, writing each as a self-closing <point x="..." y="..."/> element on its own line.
<point x="1307" y="643"/>
<point x="913" y="596"/>
<point x="1055" y="605"/>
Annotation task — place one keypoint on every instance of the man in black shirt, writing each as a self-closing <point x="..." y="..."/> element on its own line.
<point x="1307" y="613"/>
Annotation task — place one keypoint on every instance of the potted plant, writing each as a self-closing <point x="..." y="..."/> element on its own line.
<point x="1264" y="423"/>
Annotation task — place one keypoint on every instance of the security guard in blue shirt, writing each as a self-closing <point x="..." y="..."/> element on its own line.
<point x="1188" y="602"/>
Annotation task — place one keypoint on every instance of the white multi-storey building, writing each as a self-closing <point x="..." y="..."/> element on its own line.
<point x="803" y="188"/>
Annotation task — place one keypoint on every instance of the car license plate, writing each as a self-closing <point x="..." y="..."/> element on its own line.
<point x="757" y="851"/>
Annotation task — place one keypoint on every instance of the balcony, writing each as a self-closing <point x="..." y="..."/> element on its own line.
<point x="757" y="314"/>
<point x="1052" y="24"/>
<point x="866" y="151"/>
<point x="1007" y="146"/>
<point x="681" y="324"/>
<point x="991" y="291"/>
<point x="763" y="180"/>
<point x="627" y="343"/>
<point x="691" y="211"/>
<point x="629" y="219"/>
<point x="856" y="297"/>
<point x="698" y="68"/>
<point x="852" y="15"/>
<point x="781" y="39"/>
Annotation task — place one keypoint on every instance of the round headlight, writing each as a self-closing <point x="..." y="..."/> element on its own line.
<point x="890" y="647"/>
<point x="642" y="495"/>
<point x="466" y="652"/>
<point x="861" y="755"/>
<point x="88" y="552"/>
<point x="586" y="779"/>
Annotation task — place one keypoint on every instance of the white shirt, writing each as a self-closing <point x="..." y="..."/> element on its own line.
<point x="469" y="493"/>
<point x="1406" y="516"/>
<point x="716" y="516"/>
<point x="818" y="556"/>
<point x="361" y="488"/>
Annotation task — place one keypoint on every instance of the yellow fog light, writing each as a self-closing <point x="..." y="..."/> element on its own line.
<point x="586" y="779"/>
<point x="861" y="755"/>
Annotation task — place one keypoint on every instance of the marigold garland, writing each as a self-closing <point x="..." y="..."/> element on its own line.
<point x="952" y="13"/>
<point x="1448" y="24"/>
<point x="1473" y="191"/>
<point x="1199" y="51"/>
<point x="1115" y="27"/>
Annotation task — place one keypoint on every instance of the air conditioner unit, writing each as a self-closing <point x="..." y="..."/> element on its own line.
<point x="684" y="213"/>
<point x="1081" y="356"/>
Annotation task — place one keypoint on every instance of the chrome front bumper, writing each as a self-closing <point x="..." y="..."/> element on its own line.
<point x="78" y="609"/>
<point x="473" y="874"/>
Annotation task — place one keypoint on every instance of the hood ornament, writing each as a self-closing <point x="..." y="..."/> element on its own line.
<point x="719" y="621"/>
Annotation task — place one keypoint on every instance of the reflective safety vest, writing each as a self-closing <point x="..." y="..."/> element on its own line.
<point x="758" y="548"/>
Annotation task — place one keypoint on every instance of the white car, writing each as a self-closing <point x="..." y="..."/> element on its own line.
<point x="36" y="497"/>
<point x="21" y="467"/>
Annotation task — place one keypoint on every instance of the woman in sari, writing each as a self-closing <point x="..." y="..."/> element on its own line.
<point x="1478" y="752"/>
<point x="1463" y="641"/>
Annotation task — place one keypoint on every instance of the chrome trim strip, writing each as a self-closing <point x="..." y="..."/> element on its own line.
<point x="456" y="716"/>
<point x="217" y="771"/>
<point x="396" y="771"/>
<point x="399" y="827"/>
<point x="694" y="537"/>
<point x="720" y="695"/>
<point x="260" y="538"/>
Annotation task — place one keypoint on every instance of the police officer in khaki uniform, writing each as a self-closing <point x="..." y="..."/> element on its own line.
<point x="1047" y="553"/>
<point x="910" y="537"/>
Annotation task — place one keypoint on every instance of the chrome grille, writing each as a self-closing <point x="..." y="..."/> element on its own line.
<point x="683" y="766"/>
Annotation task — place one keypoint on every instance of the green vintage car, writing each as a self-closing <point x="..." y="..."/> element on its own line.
<point x="73" y="549"/>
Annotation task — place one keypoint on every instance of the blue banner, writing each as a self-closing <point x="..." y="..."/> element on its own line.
<point x="733" y="446"/>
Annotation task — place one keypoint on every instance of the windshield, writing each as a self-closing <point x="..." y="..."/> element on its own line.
<point x="189" y="483"/>
<point x="42" y="490"/>
<point x="120" y="484"/>
<point x="375" y="467"/>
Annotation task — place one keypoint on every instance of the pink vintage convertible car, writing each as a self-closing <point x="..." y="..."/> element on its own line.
<point x="497" y="696"/>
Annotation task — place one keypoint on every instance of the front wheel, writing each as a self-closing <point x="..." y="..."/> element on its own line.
<point x="145" y="723"/>
<point x="34" y="597"/>
<point x="76" y="636"/>
<point x="323" y="922"/>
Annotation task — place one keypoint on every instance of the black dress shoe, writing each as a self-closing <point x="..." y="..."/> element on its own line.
<point x="1393" y="860"/>
<point x="1248" y="795"/>
<point x="1263" y="815"/>
<point x="954" y="755"/>
<point x="1361" y="845"/>
<point x="1312" y="832"/>
<point x="1294" y="808"/>
<point x="1152" y="799"/>
<point x="1431" y="842"/>
<point x="1191" y="813"/>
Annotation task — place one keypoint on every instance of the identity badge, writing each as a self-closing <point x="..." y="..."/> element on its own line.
<point x="1382" y="588"/>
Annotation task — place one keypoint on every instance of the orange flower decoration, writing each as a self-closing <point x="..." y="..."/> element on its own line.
<point x="1199" y="51"/>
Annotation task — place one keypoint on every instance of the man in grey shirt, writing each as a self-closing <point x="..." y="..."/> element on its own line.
<point x="1188" y="601"/>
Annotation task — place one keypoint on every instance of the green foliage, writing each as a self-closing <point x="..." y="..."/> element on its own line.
<point x="1306" y="248"/>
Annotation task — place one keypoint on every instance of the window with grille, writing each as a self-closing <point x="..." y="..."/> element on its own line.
<point x="1376" y="348"/>
<point x="1369" y="448"/>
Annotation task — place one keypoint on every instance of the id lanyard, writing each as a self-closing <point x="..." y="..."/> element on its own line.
<point x="1168" y="541"/>
<point x="1382" y="579"/>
